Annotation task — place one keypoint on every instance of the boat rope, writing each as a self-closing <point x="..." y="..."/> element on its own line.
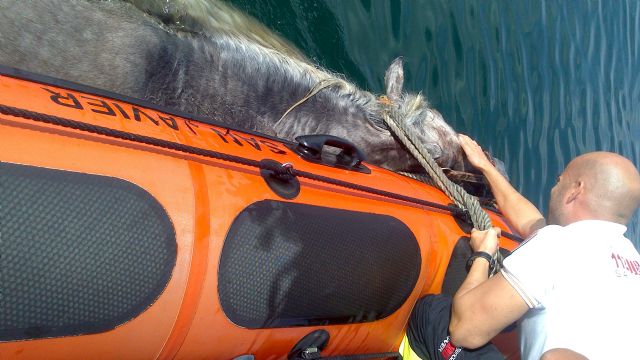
<point x="420" y="177"/>
<point x="280" y="170"/>
<point x="283" y="171"/>
<point x="392" y="116"/>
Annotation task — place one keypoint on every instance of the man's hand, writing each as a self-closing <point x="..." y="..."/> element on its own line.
<point x="486" y="241"/>
<point x="474" y="152"/>
<point x="524" y="217"/>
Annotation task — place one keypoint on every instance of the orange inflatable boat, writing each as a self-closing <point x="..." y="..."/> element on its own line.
<point x="131" y="231"/>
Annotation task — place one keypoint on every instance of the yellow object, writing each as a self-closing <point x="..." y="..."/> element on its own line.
<point x="407" y="352"/>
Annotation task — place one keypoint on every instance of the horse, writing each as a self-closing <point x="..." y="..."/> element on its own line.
<point x="236" y="72"/>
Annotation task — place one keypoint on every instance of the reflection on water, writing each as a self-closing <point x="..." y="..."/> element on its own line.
<point x="537" y="83"/>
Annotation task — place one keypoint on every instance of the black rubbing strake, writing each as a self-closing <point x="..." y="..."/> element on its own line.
<point x="100" y="130"/>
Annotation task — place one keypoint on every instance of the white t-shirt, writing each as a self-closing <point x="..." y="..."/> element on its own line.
<point x="582" y="285"/>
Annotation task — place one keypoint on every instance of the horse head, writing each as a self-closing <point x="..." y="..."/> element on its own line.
<point x="413" y="112"/>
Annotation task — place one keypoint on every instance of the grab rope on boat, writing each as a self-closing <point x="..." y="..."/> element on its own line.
<point x="278" y="169"/>
<point x="479" y="218"/>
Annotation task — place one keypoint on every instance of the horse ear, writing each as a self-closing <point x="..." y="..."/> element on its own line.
<point x="394" y="79"/>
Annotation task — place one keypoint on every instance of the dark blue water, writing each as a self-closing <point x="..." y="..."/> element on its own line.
<point x="535" y="82"/>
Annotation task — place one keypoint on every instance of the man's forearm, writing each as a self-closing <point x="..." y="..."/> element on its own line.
<point x="463" y="333"/>
<point x="483" y="306"/>
<point x="521" y="213"/>
<point x="478" y="273"/>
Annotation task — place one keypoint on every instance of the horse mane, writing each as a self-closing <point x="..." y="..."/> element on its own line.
<point x="241" y="34"/>
<point x="410" y="108"/>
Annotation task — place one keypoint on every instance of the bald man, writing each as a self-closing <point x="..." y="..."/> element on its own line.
<point x="575" y="282"/>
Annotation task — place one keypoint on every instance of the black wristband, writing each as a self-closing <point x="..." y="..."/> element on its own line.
<point x="484" y="255"/>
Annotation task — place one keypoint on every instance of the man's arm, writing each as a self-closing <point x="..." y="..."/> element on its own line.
<point x="521" y="213"/>
<point x="483" y="307"/>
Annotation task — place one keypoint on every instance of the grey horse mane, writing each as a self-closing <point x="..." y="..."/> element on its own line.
<point x="239" y="34"/>
<point x="344" y="93"/>
<point x="271" y="60"/>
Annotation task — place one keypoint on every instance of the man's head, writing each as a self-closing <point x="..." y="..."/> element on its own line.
<point x="595" y="186"/>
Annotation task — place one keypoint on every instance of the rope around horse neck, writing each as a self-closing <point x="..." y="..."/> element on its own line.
<point x="460" y="197"/>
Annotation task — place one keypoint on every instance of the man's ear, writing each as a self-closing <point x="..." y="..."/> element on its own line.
<point x="394" y="79"/>
<point x="576" y="191"/>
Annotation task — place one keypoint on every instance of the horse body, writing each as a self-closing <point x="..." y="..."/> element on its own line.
<point x="223" y="76"/>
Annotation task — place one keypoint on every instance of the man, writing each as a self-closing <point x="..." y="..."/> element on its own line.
<point x="574" y="283"/>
